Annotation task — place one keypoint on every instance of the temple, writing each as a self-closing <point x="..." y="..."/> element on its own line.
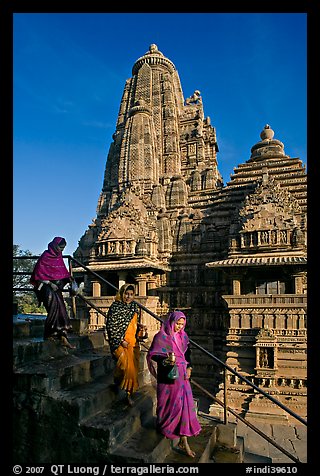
<point x="233" y="257"/>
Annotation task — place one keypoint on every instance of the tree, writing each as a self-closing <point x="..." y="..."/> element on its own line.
<point x="26" y="301"/>
<point x="21" y="266"/>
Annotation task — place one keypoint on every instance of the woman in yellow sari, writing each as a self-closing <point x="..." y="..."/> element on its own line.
<point x="121" y="326"/>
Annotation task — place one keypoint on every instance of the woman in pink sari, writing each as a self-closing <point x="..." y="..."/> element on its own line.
<point x="176" y="412"/>
<point x="48" y="278"/>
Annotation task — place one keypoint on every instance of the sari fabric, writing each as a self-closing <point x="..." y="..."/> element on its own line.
<point x="127" y="367"/>
<point x="121" y="324"/>
<point x="57" y="322"/>
<point x="176" y="412"/>
<point x="50" y="265"/>
<point x="118" y="319"/>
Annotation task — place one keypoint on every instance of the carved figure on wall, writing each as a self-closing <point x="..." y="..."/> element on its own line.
<point x="297" y="237"/>
<point x="264" y="358"/>
<point x="283" y="236"/>
<point x="264" y="237"/>
<point x="112" y="247"/>
<point x="194" y="99"/>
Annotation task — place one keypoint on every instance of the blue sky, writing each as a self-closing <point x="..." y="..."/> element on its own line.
<point x="69" y="71"/>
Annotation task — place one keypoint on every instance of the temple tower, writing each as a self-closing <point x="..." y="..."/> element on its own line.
<point x="163" y="151"/>
<point x="265" y="266"/>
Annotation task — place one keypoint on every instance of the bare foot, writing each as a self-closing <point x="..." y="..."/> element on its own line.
<point x="190" y="453"/>
<point x="66" y="343"/>
<point x="186" y="448"/>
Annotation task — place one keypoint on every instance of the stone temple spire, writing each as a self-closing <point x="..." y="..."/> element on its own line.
<point x="146" y="140"/>
<point x="159" y="135"/>
<point x="163" y="153"/>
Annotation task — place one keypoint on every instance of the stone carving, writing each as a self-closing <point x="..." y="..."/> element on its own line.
<point x="194" y="99"/>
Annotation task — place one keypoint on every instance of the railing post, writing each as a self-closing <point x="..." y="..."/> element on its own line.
<point x="73" y="298"/>
<point x="225" y="399"/>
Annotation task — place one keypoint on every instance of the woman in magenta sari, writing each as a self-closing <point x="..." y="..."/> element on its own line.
<point x="176" y="412"/>
<point x="48" y="278"/>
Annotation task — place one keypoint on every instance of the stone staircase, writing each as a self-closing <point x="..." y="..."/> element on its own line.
<point x="66" y="409"/>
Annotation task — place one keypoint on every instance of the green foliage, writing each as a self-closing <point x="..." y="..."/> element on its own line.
<point x="27" y="302"/>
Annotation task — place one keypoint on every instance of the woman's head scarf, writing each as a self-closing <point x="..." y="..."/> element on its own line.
<point x="119" y="316"/>
<point x="122" y="290"/>
<point x="167" y="340"/>
<point x="50" y="265"/>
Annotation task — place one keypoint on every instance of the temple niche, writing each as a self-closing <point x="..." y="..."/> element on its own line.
<point x="231" y="256"/>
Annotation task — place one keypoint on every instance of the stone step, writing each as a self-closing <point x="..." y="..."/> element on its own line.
<point x="254" y="458"/>
<point x="229" y="454"/>
<point x="50" y="428"/>
<point x="226" y="445"/>
<point x="28" y="326"/>
<point x="85" y="422"/>
<point x="89" y="399"/>
<point x="145" y="445"/>
<point x="31" y="349"/>
<point x="32" y="325"/>
<point x="120" y="421"/>
<point x="201" y="444"/>
<point x="45" y="376"/>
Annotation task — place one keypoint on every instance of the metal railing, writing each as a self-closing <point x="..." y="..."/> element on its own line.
<point x="222" y="364"/>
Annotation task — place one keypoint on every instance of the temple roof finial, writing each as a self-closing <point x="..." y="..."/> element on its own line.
<point x="153" y="57"/>
<point x="267" y="133"/>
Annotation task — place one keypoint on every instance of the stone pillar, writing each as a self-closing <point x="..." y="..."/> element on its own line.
<point x="298" y="283"/>
<point x="236" y="286"/>
<point x="142" y="285"/>
<point x="152" y="284"/>
<point x="275" y="357"/>
<point x="96" y="288"/>
<point x="257" y="357"/>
